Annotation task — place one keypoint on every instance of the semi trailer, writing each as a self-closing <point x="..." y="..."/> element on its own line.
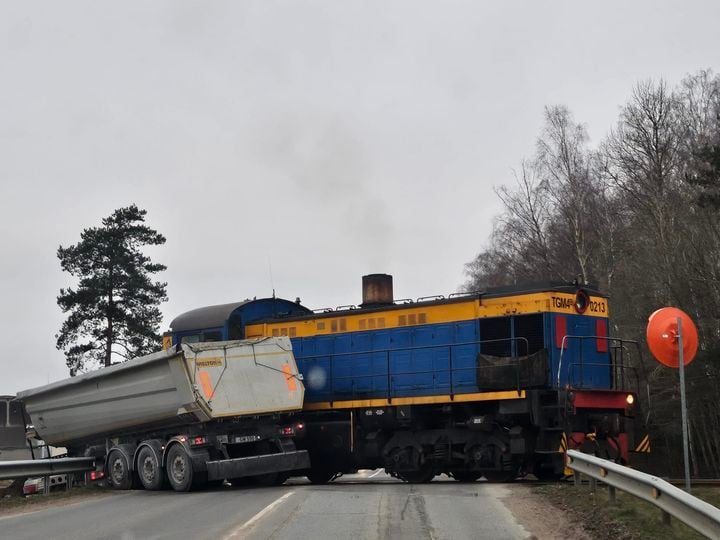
<point x="191" y="415"/>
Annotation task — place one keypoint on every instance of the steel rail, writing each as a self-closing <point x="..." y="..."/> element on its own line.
<point x="44" y="467"/>
<point x="673" y="501"/>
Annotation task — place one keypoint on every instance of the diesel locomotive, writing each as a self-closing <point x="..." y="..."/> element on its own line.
<point x="497" y="383"/>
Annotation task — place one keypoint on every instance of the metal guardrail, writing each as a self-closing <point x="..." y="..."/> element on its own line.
<point x="673" y="501"/>
<point x="44" y="467"/>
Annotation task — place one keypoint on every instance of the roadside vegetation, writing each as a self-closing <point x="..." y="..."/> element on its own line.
<point x="638" y="216"/>
<point x="11" y="503"/>
<point x="629" y="519"/>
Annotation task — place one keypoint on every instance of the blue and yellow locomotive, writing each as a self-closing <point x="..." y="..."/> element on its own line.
<point x="495" y="384"/>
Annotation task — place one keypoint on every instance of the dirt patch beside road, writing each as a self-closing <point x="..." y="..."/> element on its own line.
<point x="542" y="518"/>
<point x="13" y="504"/>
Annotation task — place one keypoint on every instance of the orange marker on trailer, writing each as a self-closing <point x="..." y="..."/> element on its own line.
<point x="289" y="377"/>
<point x="206" y="384"/>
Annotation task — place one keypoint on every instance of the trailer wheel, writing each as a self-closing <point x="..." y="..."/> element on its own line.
<point x="320" y="476"/>
<point x="119" y="474"/>
<point x="149" y="469"/>
<point x="178" y="466"/>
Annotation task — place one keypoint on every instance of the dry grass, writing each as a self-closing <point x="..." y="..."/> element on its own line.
<point x="630" y="518"/>
<point x="11" y="504"/>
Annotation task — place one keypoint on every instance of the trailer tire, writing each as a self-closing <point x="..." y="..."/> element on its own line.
<point x="179" y="468"/>
<point x="119" y="474"/>
<point x="149" y="469"/>
<point x="320" y="476"/>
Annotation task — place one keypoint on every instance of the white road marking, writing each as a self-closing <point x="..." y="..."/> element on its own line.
<point x="236" y="533"/>
<point x="373" y="475"/>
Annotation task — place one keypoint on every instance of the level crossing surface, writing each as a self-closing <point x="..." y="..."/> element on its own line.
<point x="368" y="505"/>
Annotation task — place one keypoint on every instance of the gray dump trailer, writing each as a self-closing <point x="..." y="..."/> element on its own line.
<point x="190" y="415"/>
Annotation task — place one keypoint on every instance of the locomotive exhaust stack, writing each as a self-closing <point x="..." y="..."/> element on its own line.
<point x="377" y="290"/>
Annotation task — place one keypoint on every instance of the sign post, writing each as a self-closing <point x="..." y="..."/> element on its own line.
<point x="683" y="404"/>
<point x="673" y="340"/>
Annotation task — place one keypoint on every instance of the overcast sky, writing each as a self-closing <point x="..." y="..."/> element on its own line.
<point x="324" y="140"/>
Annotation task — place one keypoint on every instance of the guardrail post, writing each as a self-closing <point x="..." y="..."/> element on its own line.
<point x="577" y="478"/>
<point x="611" y="495"/>
<point x="46" y="485"/>
<point x="593" y="484"/>
<point x="666" y="518"/>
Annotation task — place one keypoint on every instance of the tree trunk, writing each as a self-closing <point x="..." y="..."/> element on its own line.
<point x="109" y="337"/>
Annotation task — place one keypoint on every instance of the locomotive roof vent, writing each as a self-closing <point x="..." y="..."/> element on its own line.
<point x="377" y="290"/>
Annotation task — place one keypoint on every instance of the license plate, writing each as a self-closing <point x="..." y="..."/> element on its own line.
<point x="246" y="438"/>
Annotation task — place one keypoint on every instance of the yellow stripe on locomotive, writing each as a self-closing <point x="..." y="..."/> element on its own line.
<point x="412" y="315"/>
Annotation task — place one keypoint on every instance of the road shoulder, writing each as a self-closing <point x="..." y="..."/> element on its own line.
<point x="540" y="516"/>
<point x="14" y="505"/>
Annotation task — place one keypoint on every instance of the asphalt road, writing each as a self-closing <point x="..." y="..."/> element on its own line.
<point x="369" y="505"/>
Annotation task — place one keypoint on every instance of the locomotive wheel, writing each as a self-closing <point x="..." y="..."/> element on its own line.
<point x="149" y="469"/>
<point x="119" y="474"/>
<point x="496" y="477"/>
<point x="466" y="476"/>
<point x="420" y="476"/>
<point x="179" y="468"/>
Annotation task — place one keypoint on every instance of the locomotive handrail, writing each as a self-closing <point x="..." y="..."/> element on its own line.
<point x="417" y="347"/>
<point x="673" y="501"/>
<point x="390" y="375"/>
<point x="453" y="386"/>
<point x="431" y="298"/>
<point x="563" y="348"/>
<point x="615" y="367"/>
<point x="467" y="293"/>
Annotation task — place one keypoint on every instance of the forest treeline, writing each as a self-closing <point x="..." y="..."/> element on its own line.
<point x="637" y="215"/>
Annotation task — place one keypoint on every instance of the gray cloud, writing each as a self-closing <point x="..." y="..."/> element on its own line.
<point x="332" y="139"/>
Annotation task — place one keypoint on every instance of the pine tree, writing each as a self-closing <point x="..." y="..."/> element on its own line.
<point x="114" y="309"/>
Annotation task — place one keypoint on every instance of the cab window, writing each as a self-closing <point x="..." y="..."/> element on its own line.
<point x="16" y="414"/>
<point x="212" y="336"/>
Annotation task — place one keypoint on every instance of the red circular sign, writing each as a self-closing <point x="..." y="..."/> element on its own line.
<point x="662" y="336"/>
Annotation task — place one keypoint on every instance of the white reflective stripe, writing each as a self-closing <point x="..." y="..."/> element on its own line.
<point x="237" y="532"/>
